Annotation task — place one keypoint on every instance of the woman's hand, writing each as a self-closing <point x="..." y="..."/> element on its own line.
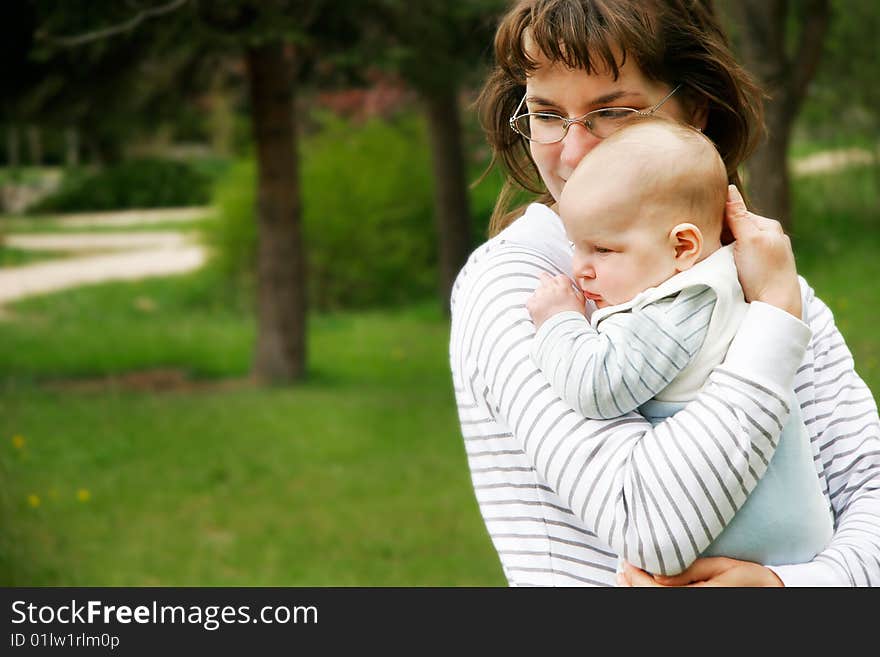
<point x="763" y="255"/>
<point x="708" y="571"/>
<point x="555" y="294"/>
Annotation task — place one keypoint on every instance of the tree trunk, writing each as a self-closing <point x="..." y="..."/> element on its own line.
<point x="451" y="209"/>
<point x="71" y="151"/>
<point x="280" y="354"/>
<point x="35" y="146"/>
<point x="13" y="151"/>
<point x="785" y="77"/>
<point x="767" y="170"/>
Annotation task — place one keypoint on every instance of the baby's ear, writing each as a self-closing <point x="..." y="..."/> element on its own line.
<point x="687" y="240"/>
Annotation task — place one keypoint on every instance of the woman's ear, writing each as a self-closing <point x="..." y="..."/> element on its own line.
<point x="687" y="240"/>
<point x="700" y="114"/>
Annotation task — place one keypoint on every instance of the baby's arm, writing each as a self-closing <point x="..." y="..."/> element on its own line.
<point x="611" y="371"/>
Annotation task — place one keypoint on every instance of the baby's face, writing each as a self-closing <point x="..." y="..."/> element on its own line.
<point x="621" y="244"/>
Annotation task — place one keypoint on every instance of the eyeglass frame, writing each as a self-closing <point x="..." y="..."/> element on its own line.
<point x="567" y="123"/>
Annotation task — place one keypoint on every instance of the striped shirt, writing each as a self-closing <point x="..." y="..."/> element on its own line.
<point x="613" y="369"/>
<point x="562" y="496"/>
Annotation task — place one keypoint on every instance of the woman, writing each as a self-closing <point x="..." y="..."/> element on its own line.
<point x="564" y="497"/>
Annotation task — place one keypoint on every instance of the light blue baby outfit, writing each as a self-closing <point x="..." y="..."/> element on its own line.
<point x="786" y="519"/>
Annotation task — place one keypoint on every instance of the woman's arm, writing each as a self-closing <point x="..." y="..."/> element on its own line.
<point x="842" y="418"/>
<point x="843" y="424"/>
<point x="841" y="415"/>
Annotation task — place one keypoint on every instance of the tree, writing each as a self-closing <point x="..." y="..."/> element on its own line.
<point x="281" y="305"/>
<point x="765" y="30"/>
<point x="280" y="40"/>
<point x="438" y="47"/>
<point x="284" y="41"/>
<point x="107" y="88"/>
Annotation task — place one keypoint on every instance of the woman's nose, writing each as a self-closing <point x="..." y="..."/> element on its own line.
<point x="578" y="142"/>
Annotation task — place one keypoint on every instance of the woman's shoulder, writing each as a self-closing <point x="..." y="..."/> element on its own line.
<point x="534" y="242"/>
<point x="538" y="232"/>
<point x="538" y="222"/>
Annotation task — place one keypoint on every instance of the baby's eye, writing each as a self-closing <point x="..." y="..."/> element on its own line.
<point x="602" y="249"/>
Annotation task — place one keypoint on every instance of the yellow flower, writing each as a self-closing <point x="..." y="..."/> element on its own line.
<point x="33" y="500"/>
<point x="18" y="442"/>
<point x="83" y="495"/>
<point x="145" y="304"/>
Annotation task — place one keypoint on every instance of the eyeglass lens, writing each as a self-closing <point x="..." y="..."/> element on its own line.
<point x="550" y="128"/>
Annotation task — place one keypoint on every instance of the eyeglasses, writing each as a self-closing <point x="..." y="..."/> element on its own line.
<point x="546" y="128"/>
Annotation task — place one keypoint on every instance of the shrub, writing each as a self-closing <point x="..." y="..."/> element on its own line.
<point x="367" y="215"/>
<point x="143" y="183"/>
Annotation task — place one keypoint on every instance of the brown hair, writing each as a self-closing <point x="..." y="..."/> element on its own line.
<point x="672" y="41"/>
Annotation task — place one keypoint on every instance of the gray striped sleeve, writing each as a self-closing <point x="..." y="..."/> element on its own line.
<point x="608" y="371"/>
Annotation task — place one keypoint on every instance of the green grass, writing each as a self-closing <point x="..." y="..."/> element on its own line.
<point x="193" y="322"/>
<point x="12" y="257"/>
<point x="295" y="487"/>
<point x="357" y="477"/>
<point x="25" y="174"/>
<point x="836" y="237"/>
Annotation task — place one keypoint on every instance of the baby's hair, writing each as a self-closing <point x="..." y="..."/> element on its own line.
<point x="686" y="171"/>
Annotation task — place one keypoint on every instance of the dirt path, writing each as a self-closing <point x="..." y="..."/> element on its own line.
<point x="136" y="217"/>
<point x="104" y="256"/>
<point x="43" y="277"/>
<point x="90" y="242"/>
<point x="828" y="161"/>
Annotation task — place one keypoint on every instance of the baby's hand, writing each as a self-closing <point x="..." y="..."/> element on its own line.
<point x="555" y="294"/>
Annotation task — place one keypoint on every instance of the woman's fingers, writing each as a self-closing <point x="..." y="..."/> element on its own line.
<point x="636" y="576"/>
<point x="739" y="217"/>
<point x="764" y="258"/>
<point x="700" y="570"/>
<point x="736" y="206"/>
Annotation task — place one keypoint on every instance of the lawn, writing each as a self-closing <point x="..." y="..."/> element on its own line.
<point x="183" y="473"/>
<point x="355" y="478"/>
<point x="12" y="257"/>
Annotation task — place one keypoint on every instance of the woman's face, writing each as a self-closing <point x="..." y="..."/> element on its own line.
<point x="572" y="93"/>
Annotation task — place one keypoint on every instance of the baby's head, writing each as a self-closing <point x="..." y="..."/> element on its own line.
<point x="643" y="205"/>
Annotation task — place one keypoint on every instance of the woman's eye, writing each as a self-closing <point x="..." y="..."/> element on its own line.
<point x="546" y="118"/>
<point x="614" y="113"/>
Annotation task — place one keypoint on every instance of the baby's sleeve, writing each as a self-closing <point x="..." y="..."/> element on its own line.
<point x="610" y="370"/>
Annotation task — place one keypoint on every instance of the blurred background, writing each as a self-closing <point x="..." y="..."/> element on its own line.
<point x="229" y="230"/>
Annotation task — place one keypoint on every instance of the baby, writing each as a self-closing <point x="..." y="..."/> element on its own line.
<point x="644" y="212"/>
